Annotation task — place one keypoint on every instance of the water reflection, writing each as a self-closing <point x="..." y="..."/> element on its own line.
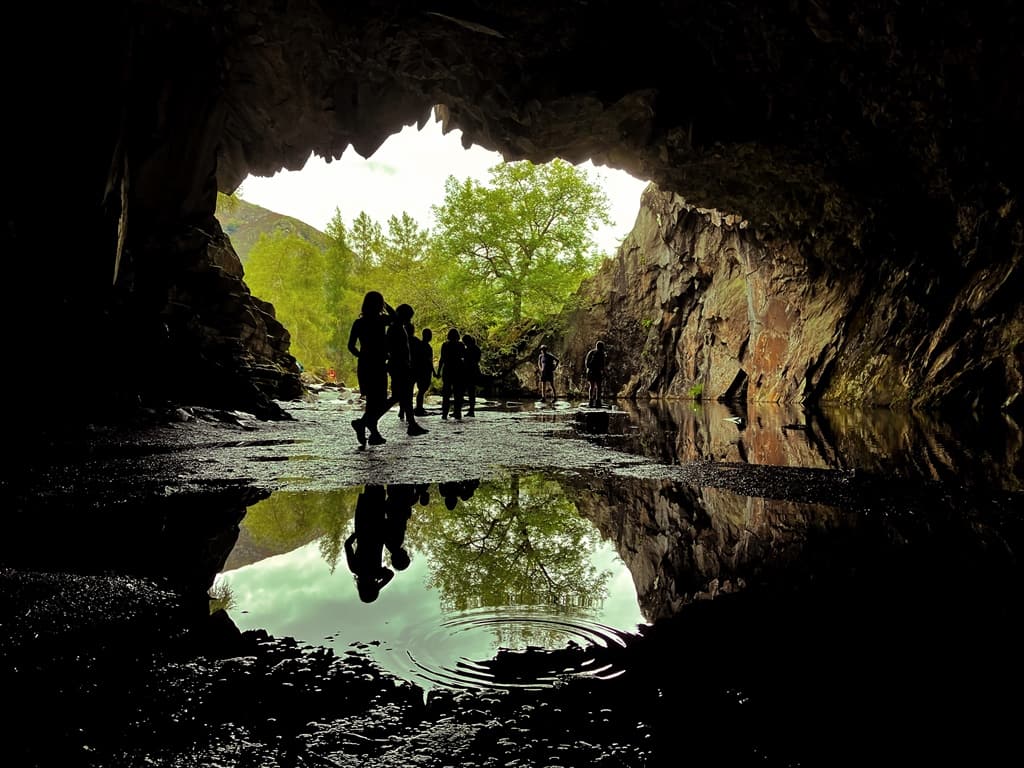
<point x="919" y="445"/>
<point x="492" y="568"/>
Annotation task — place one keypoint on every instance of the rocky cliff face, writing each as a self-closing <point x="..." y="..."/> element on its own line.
<point x="697" y="304"/>
<point x="873" y="149"/>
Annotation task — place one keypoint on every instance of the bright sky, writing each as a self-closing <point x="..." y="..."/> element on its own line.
<point x="407" y="174"/>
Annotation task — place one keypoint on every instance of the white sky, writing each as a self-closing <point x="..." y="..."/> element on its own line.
<point x="407" y="174"/>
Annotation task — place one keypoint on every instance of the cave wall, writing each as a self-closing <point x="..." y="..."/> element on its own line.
<point x="697" y="304"/>
<point x="869" y="145"/>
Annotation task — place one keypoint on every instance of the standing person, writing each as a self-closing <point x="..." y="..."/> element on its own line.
<point x="368" y="342"/>
<point x="451" y="367"/>
<point x="594" y="363"/>
<point x="423" y="368"/>
<point x="400" y="367"/>
<point x="546" y="364"/>
<point x="473" y="354"/>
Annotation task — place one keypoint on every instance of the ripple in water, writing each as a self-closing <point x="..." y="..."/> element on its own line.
<point x="493" y="648"/>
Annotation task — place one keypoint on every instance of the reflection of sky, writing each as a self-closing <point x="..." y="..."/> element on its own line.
<point x="296" y="595"/>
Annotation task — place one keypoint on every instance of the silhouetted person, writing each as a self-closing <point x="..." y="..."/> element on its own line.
<point x="400" y="367"/>
<point x="467" y="488"/>
<point x="473" y="354"/>
<point x="410" y="332"/>
<point x="364" y="548"/>
<point x="594" y="363"/>
<point x="451" y="367"/>
<point x="450" y="493"/>
<point x="546" y="364"/>
<point x="401" y="498"/>
<point x="423" y="368"/>
<point x="368" y="342"/>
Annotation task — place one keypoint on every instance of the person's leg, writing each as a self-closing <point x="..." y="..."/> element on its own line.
<point x="446" y="398"/>
<point x="405" y="393"/>
<point x="458" y="395"/>
<point x="421" y="391"/>
<point x="471" y="397"/>
<point x="377" y="404"/>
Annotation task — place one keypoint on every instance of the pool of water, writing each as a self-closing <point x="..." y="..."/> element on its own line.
<point x="494" y="567"/>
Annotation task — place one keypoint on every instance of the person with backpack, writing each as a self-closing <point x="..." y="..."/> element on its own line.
<point x="546" y="364"/>
<point x="594" y="364"/>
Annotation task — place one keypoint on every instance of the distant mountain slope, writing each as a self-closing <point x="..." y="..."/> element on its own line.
<point x="245" y="222"/>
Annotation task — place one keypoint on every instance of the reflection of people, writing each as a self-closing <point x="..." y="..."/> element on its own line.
<point x="450" y="493"/>
<point x="454" y="490"/>
<point x="364" y="548"/>
<point x="368" y="342"/>
<point x="473" y="354"/>
<point x="401" y="498"/>
<point x="595" y="373"/>
<point x="546" y="364"/>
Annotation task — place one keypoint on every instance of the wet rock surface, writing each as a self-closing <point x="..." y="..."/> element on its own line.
<point x="116" y="660"/>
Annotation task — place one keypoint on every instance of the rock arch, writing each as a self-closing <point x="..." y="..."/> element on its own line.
<point x="875" y="148"/>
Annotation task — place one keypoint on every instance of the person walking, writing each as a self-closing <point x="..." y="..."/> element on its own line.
<point x="546" y="364"/>
<point x="473" y="355"/>
<point x="594" y="363"/>
<point x="400" y="368"/>
<point x="451" y="367"/>
<point x="367" y="341"/>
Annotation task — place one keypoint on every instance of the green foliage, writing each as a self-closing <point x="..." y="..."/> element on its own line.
<point x="696" y="391"/>
<point x="228" y="203"/>
<point x="291" y="274"/>
<point x="520" y="246"/>
<point x="519" y="541"/>
<point x="290" y="519"/>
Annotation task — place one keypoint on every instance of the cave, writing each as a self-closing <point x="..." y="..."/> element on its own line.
<point x="865" y="152"/>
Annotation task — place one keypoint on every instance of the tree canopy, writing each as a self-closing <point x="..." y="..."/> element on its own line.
<point x="502" y="255"/>
<point x="522" y="243"/>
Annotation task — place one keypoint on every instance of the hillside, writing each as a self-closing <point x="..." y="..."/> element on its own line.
<point x="245" y="222"/>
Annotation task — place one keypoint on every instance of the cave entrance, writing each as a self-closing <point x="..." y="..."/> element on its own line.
<point x="313" y="241"/>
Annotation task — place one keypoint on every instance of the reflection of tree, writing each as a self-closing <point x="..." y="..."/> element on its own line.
<point x="514" y="542"/>
<point x="289" y="519"/>
<point x="221" y="596"/>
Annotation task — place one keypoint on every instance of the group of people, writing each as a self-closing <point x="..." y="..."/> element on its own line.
<point x="384" y="342"/>
<point x="594" y="363"/>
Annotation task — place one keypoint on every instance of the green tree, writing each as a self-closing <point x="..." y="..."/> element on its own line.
<point x="290" y="273"/>
<point x="522" y="243"/>
<point x="344" y="288"/>
<point x="514" y="542"/>
<point x="228" y="204"/>
<point x="287" y="520"/>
